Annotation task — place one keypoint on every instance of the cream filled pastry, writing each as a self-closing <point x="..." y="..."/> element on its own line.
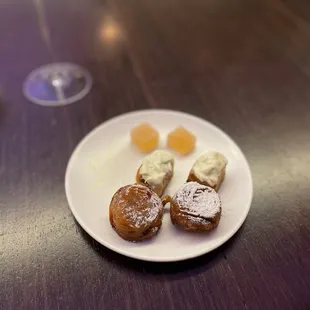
<point x="209" y="169"/>
<point x="156" y="171"/>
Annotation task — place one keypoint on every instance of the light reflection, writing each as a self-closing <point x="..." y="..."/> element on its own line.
<point x="109" y="31"/>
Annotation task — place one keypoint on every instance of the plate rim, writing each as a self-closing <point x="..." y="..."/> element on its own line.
<point x="139" y="256"/>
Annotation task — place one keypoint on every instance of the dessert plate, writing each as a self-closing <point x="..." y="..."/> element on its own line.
<point x="105" y="160"/>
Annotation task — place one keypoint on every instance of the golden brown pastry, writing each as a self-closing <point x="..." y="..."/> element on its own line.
<point x="136" y="212"/>
<point x="195" y="207"/>
<point x="209" y="170"/>
<point x="156" y="171"/>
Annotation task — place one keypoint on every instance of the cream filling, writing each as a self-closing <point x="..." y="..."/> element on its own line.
<point x="156" y="166"/>
<point x="209" y="166"/>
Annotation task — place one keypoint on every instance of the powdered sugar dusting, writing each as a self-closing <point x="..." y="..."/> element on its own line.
<point x="198" y="200"/>
<point x="138" y="205"/>
<point x="198" y="220"/>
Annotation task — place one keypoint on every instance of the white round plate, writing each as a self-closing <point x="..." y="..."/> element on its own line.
<point x="105" y="160"/>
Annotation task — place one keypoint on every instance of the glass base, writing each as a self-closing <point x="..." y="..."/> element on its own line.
<point x="57" y="84"/>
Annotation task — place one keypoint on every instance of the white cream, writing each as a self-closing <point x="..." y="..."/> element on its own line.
<point x="156" y="166"/>
<point x="209" y="166"/>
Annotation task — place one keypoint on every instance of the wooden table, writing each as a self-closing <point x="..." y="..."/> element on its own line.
<point x="242" y="64"/>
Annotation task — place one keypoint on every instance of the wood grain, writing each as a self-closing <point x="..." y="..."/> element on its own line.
<point x="242" y="64"/>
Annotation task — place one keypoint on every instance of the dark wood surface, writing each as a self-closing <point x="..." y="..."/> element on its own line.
<point x="241" y="64"/>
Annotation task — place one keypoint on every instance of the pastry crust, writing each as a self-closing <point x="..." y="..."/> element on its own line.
<point x="158" y="189"/>
<point x="136" y="212"/>
<point x="195" y="208"/>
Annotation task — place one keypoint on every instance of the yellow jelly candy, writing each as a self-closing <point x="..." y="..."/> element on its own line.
<point x="181" y="140"/>
<point x="145" y="137"/>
